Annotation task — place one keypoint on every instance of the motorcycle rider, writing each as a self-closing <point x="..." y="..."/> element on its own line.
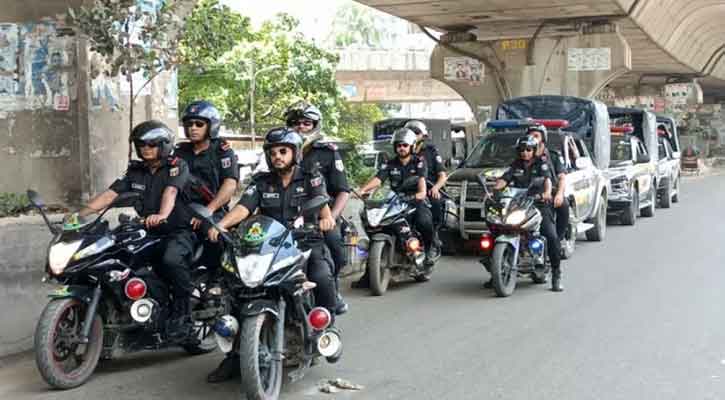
<point x="520" y="174"/>
<point x="405" y="165"/>
<point x="556" y="165"/>
<point x="161" y="178"/>
<point x="436" y="177"/>
<point x="306" y="119"/>
<point x="279" y="194"/>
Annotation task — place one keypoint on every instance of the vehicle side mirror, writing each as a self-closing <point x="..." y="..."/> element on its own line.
<point x="643" y="158"/>
<point x="676" y="154"/>
<point x="35" y="199"/>
<point x="455" y="163"/>
<point x="583" y="163"/>
<point x="315" y="203"/>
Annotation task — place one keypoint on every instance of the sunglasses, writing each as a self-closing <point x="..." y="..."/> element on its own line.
<point x="282" y="152"/>
<point x="141" y="143"/>
<point x="304" y="123"/>
<point x="198" y="124"/>
<point x="406" y="145"/>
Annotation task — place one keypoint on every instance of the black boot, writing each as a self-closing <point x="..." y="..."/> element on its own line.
<point x="556" y="285"/>
<point x="342" y="306"/>
<point x="179" y="324"/>
<point x="228" y="369"/>
<point x="362" y="283"/>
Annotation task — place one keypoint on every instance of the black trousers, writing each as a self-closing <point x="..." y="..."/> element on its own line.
<point x="336" y="246"/>
<point x="562" y="219"/>
<point x="319" y="270"/>
<point x="423" y="221"/>
<point x="548" y="230"/>
<point x="175" y="253"/>
<point x="436" y="209"/>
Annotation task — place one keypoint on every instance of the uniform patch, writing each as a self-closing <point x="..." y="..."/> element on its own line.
<point x="300" y="189"/>
<point x="394" y="171"/>
<point x="226" y="162"/>
<point x="270" y="195"/>
<point x="174" y="171"/>
<point x="544" y="167"/>
<point x="339" y="165"/>
<point x="420" y="164"/>
<point x="315" y="182"/>
<point x="250" y="190"/>
<point x="439" y="159"/>
<point x="138" y="186"/>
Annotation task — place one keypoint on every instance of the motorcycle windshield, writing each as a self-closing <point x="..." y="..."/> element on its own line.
<point x="265" y="244"/>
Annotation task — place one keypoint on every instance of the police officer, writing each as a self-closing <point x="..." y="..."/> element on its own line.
<point x="306" y="119"/>
<point x="554" y="159"/>
<point x="405" y="165"/>
<point x="161" y="179"/>
<point x="520" y="174"/>
<point x="279" y="194"/>
<point x="437" y="176"/>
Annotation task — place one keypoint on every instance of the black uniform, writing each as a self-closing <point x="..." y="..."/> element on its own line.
<point x="324" y="158"/>
<point x="283" y="204"/>
<point x="434" y="164"/>
<point x="177" y="248"/>
<point x="397" y="173"/>
<point x="556" y="165"/>
<point x="209" y="169"/>
<point x="519" y="175"/>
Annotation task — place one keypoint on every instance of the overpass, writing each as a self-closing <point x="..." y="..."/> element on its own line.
<point x="574" y="47"/>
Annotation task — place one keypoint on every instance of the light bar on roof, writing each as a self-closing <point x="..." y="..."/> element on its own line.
<point x="622" y="129"/>
<point x="508" y="124"/>
<point x="553" y="123"/>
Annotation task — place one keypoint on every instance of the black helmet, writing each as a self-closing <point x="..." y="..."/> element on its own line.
<point x="303" y="109"/>
<point x="153" y="132"/>
<point x="283" y="136"/>
<point x="539" y="128"/>
<point x="403" y="135"/>
<point x="204" y="111"/>
<point x="526" y="142"/>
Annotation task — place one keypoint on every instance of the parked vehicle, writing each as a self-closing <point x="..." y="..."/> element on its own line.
<point x="395" y="251"/>
<point x="633" y="178"/>
<point x="586" y="187"/>
<point x="277" y="320"/>
<point x="668" y="171"/>
<point x="690" y="162"/>
<point x="111" y="301"/>
<point x="514" y="247"/>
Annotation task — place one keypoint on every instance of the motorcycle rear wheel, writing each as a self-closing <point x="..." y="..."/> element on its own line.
<point x="261" y="374"/>
<point x="502" y="270"/>
<point x="57" y="344"/>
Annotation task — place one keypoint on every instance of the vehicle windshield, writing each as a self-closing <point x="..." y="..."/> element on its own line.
<point x="263" y="235"/>
<point x="621" y="151"/>
<point x="499" y="150"/>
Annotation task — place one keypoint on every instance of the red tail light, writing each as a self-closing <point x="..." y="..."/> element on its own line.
<point x="135" y="288"/>
<point x="413" y="245"/>
<point x="486" y="243"/>
<point x="319" y="318"/>
<point x="553" y="123"/>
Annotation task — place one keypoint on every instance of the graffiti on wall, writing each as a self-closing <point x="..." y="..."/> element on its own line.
<point x="34" y="68"/>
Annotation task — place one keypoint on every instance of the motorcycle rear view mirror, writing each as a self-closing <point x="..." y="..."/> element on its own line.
<point x="35" y="199"/>
<point x="315" y="203"/>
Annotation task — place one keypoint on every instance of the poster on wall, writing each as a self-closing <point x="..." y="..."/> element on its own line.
<point x="589" y="59"/>
<point x="8" y="59"/>
<point x="463" y="69"/>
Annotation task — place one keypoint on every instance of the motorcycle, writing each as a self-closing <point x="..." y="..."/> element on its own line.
<point x="395" y="251"/>
<point x="276" y="318"/>
<point x="514" y="247"/>
<point x="111" y="301"/>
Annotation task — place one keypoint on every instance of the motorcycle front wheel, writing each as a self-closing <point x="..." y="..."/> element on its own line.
<point x="261" y="372"/>
<point x="62" y="360"/>
<point x="378" y="268"/>
<point x="502" y="269"/>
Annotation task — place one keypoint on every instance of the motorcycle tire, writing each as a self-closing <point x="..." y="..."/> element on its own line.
<point x="378" y="268"/>
<point x="261" y="375"/>
<point x="502" y="274"/>
<point x="51" y="352"/>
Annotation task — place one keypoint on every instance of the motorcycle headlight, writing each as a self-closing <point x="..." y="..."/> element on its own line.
<point x="516" y="217"/>
<point x="60" y="254"/>
<point x="253" y="268"/>
<point x="375" y="216"/>
<point x="97" y="247"/>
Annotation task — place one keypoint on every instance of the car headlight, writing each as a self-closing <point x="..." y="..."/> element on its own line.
<point x="97" y="247"/>
<point x="516" y="217"/>
<point x="375" y="216"/>
<point x="60" y="254"/>
<point x="253" y="268"/>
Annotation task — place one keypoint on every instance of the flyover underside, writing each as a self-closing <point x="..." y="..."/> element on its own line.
<point x="672" y="39"/>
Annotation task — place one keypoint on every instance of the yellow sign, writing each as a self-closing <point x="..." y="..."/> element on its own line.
<point x="514" y="44"/>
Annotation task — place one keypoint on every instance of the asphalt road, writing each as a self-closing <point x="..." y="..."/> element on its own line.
<point x="642" y="317"/>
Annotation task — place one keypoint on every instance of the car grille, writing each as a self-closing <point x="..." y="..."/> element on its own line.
<point x="474" y="192"/>
<point x="473" y="215"/>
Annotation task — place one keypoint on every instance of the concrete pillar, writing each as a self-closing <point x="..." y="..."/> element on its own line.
<point x="578" y="65"/>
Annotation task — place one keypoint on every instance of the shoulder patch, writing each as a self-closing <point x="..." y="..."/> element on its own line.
<point x="384" y="166"/>
<point x="173" y="160"/>
<point x="315" y="182"/>
<point x="224" y="146"/>
<point x="226" y="162"/>
<point x="420" y="164"/>
<point x="339" y="165"/>
<point x="174" y="171"/>
<point x="544" y="167"/>
<point x="439" y="159"/>
<point x="250" y="190"/>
